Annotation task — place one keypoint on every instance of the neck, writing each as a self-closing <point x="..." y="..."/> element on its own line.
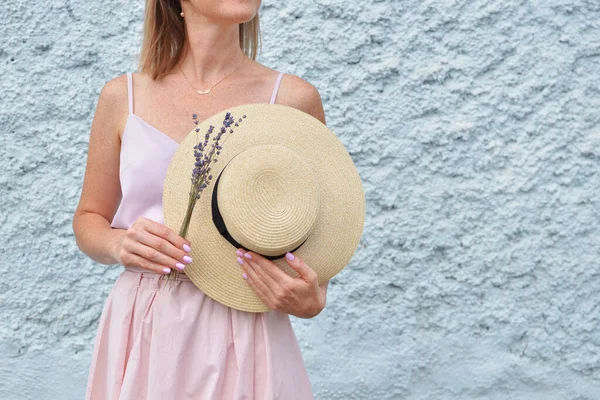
<point x="212" y="50"/>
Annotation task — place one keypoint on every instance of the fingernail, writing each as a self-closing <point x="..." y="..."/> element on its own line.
<point x="240" y="261"/>
<point x="180" y="266"/>
<point x="187" y="259"/>
<point x="244" y="276"/>
<point x="166" y="270"/>
<point x="289" y="256"/>
<point x="186" y="247"/>
<point x="239" y="253"/>
<point x="248" y="256"/>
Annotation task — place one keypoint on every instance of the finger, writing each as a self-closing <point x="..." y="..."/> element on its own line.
<point x="297" y="264"/>
<point x="159" y="250"/>
<point x="261" y="295"/>
<point x="257" y="280"/>
<point x="251" y="279"/>
<point x="269" y="267"/>
<point x="134" y="260"/>
<point x="167" y="234"/>
<point x="150" y="254"/>
<point x="275" y="287"/>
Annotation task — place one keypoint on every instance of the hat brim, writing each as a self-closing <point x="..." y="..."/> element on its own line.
<point x="339" y="224"/>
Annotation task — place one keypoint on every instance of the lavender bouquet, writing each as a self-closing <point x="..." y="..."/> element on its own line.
<point x="201" y="170"/>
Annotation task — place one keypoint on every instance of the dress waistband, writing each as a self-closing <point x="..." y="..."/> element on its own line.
<point x="180" y="277"/>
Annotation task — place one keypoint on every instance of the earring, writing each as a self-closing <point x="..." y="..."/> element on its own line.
<point x="181" y="13"/>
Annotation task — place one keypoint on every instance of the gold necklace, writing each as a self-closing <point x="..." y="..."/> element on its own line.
<point x="209" y="89"/>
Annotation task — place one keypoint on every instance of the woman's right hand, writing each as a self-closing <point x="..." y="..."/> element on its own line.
<point x="152" y="246"/>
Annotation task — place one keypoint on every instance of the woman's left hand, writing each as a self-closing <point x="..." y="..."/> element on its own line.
<point x="302" y="297"/>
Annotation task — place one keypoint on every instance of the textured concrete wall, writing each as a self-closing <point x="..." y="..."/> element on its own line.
<point x="475" y="126"/>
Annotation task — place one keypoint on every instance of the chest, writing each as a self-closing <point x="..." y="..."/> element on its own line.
<point x="169" y="112"/>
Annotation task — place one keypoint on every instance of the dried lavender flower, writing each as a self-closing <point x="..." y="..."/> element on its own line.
<point x="204" y="157"/>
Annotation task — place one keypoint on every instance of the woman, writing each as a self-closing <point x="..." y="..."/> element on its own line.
<point x="198" y="57"/>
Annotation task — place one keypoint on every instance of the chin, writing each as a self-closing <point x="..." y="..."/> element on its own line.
<point x="233" y="11"/>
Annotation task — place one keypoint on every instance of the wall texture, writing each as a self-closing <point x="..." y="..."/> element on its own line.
<point x="475" y="128"/>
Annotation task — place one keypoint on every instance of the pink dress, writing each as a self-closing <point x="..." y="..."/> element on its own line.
<point x="156" y="344"/>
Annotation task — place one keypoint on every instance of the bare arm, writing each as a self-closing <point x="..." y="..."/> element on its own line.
<point x="300" y="94"/>
<point x="101" y="190"/>
<point x="146" y="243"/>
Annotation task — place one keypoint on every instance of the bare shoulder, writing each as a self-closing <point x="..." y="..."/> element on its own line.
<point x="298" y="93"/>
<point x="112" y="102"/>
<point x="114" y="91"/>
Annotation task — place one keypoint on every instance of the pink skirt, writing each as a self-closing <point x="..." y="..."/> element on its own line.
<point x="157" y="343"/>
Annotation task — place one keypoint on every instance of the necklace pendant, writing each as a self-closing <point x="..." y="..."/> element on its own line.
<point x="203" y="91"/>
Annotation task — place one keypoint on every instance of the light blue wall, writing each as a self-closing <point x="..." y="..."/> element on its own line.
<point x="475" y="128"/>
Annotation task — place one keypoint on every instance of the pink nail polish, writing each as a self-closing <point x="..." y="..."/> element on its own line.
<point x="240" y="261"/>
<point x="166" y="270"/>
<point x="186" y="247"/>
<point x="244" y="276"/>
<point x="248" y="256"/>
<point x="187" y="259"/>
<point x="180" y="266"/>
<point x="289" y="256"/>
<point x="239" y="253"/>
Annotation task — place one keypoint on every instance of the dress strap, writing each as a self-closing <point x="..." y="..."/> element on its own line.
<point x="276" y="88"/>
<point x="130" y="92"/>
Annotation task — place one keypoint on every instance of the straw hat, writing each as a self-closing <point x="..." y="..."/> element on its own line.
<point x="282" y="182"/>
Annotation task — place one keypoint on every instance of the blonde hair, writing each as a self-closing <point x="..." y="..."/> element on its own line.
<point x="164" y="37"/>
